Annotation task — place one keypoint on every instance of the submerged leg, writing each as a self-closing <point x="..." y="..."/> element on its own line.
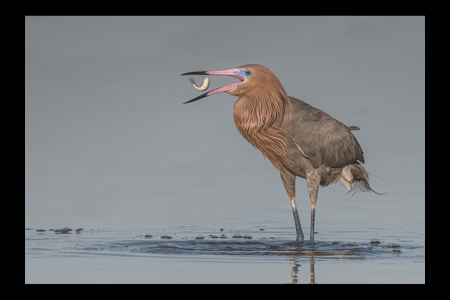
<point x="313" y="180"/>
<point x="289" y="184"/>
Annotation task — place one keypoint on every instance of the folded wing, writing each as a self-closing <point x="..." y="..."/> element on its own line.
<point x="323" y="139"/>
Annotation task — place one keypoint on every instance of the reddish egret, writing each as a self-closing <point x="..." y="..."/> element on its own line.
<point x="299" y="140"/>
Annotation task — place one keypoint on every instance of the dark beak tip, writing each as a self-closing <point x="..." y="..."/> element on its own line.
<point x="190" y="101"/>
<point x="197" y="98"/>
<point x="195" y="73"/>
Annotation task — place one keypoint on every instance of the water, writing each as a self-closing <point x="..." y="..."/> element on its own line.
<point x="265" y="255"/>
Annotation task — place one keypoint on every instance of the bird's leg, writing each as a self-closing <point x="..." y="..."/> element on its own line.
<point x="312" y="180"/>
<point x="289" y="184"/>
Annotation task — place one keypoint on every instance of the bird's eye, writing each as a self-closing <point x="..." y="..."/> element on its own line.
<point x="248" y="72"/>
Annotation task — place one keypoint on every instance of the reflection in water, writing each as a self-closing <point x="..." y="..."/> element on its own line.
<point x="294" y="269"/>
<point x="295" y="261"/>
<point x="312" y="274"/>
<point x="295" y="252"/>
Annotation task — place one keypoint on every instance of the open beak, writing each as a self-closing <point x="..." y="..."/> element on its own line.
<point x="231" y="72"/>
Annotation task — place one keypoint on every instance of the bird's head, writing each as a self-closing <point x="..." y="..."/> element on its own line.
<point x="250" y="77"/>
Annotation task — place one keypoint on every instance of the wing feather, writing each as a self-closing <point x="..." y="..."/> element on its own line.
<point x="322" y="138"/>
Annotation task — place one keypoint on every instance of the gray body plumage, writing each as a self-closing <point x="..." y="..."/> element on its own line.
<point x="322" y="150"/>
<point x="317" y="141"/>
<point x="324" y="139"/>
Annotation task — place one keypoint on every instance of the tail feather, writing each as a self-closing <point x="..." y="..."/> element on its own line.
<point x="353" y="128"/>
<point x="358" y="180"/>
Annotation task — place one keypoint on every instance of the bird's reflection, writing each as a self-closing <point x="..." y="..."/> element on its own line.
<point x="312" y="274"/>
<point x="294" y="269"/>
<point x="295" y="261"/>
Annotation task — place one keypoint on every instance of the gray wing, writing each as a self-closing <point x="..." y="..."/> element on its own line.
<point x="322" y="138"/>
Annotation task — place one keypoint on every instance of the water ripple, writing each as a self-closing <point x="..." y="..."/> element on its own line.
<point x="250" y="247"/>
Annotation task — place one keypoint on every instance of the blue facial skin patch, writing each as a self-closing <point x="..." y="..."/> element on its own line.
<point x="244" y="73"/>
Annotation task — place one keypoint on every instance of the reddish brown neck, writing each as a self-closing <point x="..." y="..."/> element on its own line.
<point x="258" y="117"/>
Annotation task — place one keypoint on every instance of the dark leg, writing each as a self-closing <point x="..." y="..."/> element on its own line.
<point x="313" y="180"/>
<point x="289" y="184"/>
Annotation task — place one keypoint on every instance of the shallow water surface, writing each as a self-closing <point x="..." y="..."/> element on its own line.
<point x="216" y="255"/>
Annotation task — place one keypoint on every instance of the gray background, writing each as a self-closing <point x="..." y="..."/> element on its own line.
<point x="108" y="142"/>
